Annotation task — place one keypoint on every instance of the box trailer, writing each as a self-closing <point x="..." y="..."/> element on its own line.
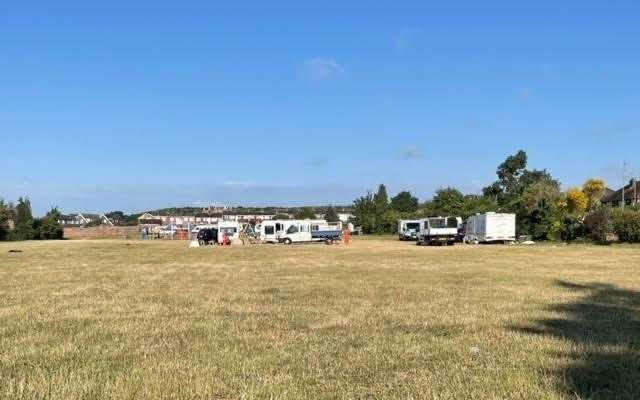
<point x="491" y="227"/>
<point x="408" y="229"/>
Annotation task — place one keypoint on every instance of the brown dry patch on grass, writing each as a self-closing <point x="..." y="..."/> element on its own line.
<point x="378" y="319"/>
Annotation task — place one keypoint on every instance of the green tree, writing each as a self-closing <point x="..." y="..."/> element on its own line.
<point x="446" y="202"/>
<point x="305" y="213"/>
<point x="50" y="228"/>
<point x="509" y="173"/>
<point x="364" y="212"/>
<point x="474" y="204"/>
<point x="404" y="202"/>
<point x="281" y="216"/>
<point x="537" y="210"/>
<point x="381" y="200"/>
<point x="24" y="220"/>
<point x="4" y="220"/>
<point x="331" y="215"/>
<point x="117" y="217"/>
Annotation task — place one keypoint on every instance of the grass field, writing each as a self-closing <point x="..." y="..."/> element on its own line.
<point x="379" y="319"/>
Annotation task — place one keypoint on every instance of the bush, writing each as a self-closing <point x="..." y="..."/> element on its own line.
<point x="573" y="229"/>
<point x="598" y="225"/>
<point x="626" y="224"/>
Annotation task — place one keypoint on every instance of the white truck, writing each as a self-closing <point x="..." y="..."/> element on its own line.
<point x="309" y="231"/>
<point x="408" y="229"/>
<point x="491" y="227"/>
<point x="438" y="230"/>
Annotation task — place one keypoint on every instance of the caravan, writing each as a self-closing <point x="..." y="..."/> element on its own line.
<point x="491" y="227"/>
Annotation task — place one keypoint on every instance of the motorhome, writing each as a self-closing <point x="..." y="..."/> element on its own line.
<point x="408" y="229"/>
<point x="491" y="227"/>
<point x="439" y="230"/>
<point x="269" y="230"/>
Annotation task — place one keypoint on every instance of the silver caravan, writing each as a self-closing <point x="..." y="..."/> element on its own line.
<point x="491" y="227"/>
<point x="408" y="229"/>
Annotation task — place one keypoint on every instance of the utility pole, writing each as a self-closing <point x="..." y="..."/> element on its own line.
<point x="624" y="181"/>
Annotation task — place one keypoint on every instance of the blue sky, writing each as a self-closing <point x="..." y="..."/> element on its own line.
<point x="155" y="104"/>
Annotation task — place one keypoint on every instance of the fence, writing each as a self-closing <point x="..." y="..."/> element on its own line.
<point x="102" y="232"/>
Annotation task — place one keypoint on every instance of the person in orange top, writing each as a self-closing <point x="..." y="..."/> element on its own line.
<point x="225" y="239"/>
<point x="346" y="236"/>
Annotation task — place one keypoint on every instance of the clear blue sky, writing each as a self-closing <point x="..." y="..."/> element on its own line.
<point x="137" y="107"/>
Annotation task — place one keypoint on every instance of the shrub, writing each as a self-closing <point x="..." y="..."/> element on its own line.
<point x="598" y="225"/>
<point x="626" y="224"/>
<point x="573" y="229"/>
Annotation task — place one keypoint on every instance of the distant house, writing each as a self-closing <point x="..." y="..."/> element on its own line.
<point x="149" y="219"/>
<point x="344" y="217"/>
<point x="83" y="219"/>
<point x="631" y="195"/>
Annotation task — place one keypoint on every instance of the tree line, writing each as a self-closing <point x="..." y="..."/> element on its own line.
<point x="17" y="222"/>
<point x="543" y="211"/>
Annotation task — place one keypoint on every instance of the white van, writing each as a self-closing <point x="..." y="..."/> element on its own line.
<point x="408" y="229"/>
<point x="301" y="231"/>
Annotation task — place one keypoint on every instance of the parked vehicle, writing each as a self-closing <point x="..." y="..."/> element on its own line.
<point x="491" y="227"/>
<point x="438" y="230"/>
<point x="269" y="230"/>
<point x="230" y="228"/>
<point x="308" y="231"/>
<point x="207" y="236"/>
<point x="408" y="229"/>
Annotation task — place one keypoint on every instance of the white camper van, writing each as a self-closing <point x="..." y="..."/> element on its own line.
<point x="491" y="227"/>
<point x="269" y="230"/>
<point x="408" y="229"/>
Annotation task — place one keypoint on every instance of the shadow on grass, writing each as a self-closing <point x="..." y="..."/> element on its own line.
<point x="604" y="325"/>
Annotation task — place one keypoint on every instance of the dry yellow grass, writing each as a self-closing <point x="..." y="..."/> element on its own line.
<point x="380" y="319"/>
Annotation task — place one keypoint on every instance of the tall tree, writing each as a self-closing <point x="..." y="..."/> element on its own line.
<point x="4" y="220"/>
<point x="50" y="227"/>
<point x="331" y="215"/>
<point x="404" y="202"/>
<point x="510" y="170"/>
<point x="381" y="204"/>
<point x="381" y="200"/>
<point x="24" y="220"/>
<point x="364" y="212"/>
<point x="447" y="202"/>
<point x="305" y="213"/>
